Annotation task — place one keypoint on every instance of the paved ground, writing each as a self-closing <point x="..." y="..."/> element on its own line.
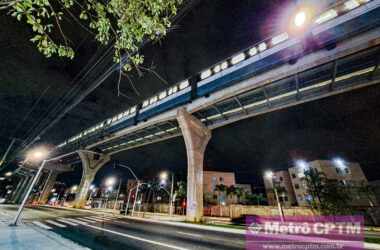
<point x="78" y="229"/>
<point x="104" y="231"/>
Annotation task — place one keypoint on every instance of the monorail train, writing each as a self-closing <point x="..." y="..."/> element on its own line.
<point x="324" y="31"/>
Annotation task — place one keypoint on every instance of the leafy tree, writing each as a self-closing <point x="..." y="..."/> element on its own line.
<point x="127" y="24"/>
<point x="368" y="191"/>
<point x="328" y="196"/>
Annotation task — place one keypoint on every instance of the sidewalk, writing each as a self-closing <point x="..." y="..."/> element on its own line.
<point x="27" y="237"/>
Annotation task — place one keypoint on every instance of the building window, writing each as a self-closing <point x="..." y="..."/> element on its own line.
<point x="347" y="170"/>
<point x="294" y="176"/>
<point x="221" y="180"/>
<point x="337" y="170"/>
<point x="213" y="183"/>
<point x="281" y="179"/>
<point x="296" y="186"/>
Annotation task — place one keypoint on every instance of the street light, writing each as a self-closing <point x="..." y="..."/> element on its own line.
<point x="37" y="154"/>
<point x="164" y="176"/>
<point x="44" y="162"/>
<point x="300" y="19"/>
<point x="303" y="165"/>
<point x="270" y="176"/>
<point x="8" y="174"/>
<point x="339" y="162"/>
<point x="74" y="188"/>
<point x="110" y="181"/>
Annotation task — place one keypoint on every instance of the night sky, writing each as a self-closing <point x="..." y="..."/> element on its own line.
<point x="346" y="125"/>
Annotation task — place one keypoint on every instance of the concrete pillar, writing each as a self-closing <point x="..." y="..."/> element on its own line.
<point x="196" y="137"/>
<point x="91" y="163"/>
<point x="48" y="186"/>
<point x="22" y="194"/>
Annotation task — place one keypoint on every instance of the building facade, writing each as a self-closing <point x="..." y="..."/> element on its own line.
<point x="292" y="187"/>
<point x="283" y="184"/>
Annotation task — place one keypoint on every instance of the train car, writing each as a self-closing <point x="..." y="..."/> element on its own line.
<point x="175" y="96"/>
<point x="330" y="27"/>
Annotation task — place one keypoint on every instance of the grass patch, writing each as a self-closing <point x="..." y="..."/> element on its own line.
<point x="372" y="240"/>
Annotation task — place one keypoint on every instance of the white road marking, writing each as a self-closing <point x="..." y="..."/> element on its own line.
<point x="67" y="222"/>
<point x="103" y="217"/>
<point x="91" y="218"/>
<point x="37" y="223"/>
<point x="137" y="238"/>
<point x="190" y="234"/>
<point x="77" y="221"/>
<point x="85" y="220"/>
<point x="55" y="223"/>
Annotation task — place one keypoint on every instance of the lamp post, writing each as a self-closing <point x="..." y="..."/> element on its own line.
<point x="163" y="178"/>
<point x="37" y="155"/>
<point x="269" y="175"/>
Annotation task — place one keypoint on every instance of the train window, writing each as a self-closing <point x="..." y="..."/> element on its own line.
<point x="238" y="58"/>
<point x="224" y="65"/>
<point x="153" y="100"/>
<point x="172" y="90"/>
<point x="351" y="4"/>
<point x="133" y="110"/>
<point x="126" y="113"/>
<point x="120" y="116"/>
<point x="162" y="95"/>
<point x="262" y="47"/>
<point x="252" y="51"/>
<point x="216" y="69"/>
<point x="280" y="38"/>
<point x="206" y="74"/>
<point x="184" y="84"/>
<point x="109" y="121"/>
<point x="145" y="103"/>
<point x="326" y="16"/>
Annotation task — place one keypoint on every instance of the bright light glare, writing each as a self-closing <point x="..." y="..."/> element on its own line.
<point x="74" y="188"/>
<point x="37" y="154"/>
<point x="2" y="178"/>
<point x="110" y="181"/>
<point x="164" y="176"/>
<point x="303" y="165"/>
<point x="339" y="163"/>
<point x="7" y="174"/>
<point x="269" y="174"/>
<point x="92" y="187"/>
<point x="300" y="19"/>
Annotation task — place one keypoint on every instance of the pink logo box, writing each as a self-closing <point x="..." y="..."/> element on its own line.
<point x="305" y="232"/>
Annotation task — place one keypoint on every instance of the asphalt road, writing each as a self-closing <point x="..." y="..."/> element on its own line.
<point x="103" y="231"/>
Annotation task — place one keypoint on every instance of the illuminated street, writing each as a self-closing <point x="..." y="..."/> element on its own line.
<point x="150" y="124"/>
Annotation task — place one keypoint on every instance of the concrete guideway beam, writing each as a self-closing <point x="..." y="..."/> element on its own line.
<point x="196" y="137"/>
<point x="91" y="163"/>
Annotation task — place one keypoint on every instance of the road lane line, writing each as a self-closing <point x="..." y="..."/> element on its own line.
<point x="67" y="222"/>
<point x="37" y="223"/>
<point x="77" y="221"/>
<point x="85" y="220"/>
<point x="138" y="238"/>
<point x="102" y="217"/>
<point x="55" y="223"/>
<point x="190" y="234"/>
<point x="95" y="219"/>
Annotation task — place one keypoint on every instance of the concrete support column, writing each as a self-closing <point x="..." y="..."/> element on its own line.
<point x="21" y="195"/>
<point x="48" y="186"/>
<point x="91" y="163"/>
<point x="196" y="137"/>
